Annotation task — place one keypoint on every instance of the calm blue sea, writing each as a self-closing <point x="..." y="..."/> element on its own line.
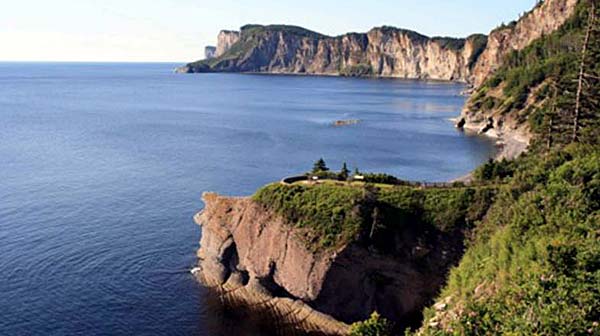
<point x="102" y="167"/>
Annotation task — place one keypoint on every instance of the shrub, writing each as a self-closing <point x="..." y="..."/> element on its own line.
<point x="374" y="326"/>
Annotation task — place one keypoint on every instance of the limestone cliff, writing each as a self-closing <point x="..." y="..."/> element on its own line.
<point x="225" y="40"/>
<point x="383" y="51"/>
<point x="545" y="18"/>
<point x="259" y="252"/>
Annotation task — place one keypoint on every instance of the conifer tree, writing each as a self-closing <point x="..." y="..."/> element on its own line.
<point x="320" y="166"/>
<point x="344" y="173"/>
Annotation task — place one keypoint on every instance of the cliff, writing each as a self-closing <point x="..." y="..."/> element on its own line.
<point x="225" y="40"/>
<point x="544" y="19"/>
<point x="511" y="103"/>
<point x="383" y="51"/>
<point x="396" y="270"/>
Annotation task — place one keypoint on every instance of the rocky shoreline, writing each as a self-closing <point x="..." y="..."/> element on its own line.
<point x="252" y="258"/>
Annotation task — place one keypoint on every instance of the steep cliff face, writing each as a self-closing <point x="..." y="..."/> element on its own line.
<point x="225" y="40"/>
<point x="243" y="241"/>
<point x="544" y="19"/>
<point x="512" y="101"/>
<point x="383" y="51"/>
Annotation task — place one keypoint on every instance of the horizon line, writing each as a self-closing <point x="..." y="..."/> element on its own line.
<point x="90" y="61"/>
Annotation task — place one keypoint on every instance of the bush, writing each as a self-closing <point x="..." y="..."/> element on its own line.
<point x="374" y="326"/>
<point x="494" y="171"/>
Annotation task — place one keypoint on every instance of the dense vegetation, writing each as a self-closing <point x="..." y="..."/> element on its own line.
<point x="331" y="214"/>
<point x="538" y="85"/>
<point x="533" y="267"/>
<point x="449" y="43"/>
<point x="336" y="214"/>
<point x="250" y="30"/>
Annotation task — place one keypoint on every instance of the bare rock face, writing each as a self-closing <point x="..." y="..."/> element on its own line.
<point x="210" y="52"/>
<point x="544" y="19"/>
<point x="245" y="244"/>
<point x="383" y="51"/>
<point x="226" y="39"/>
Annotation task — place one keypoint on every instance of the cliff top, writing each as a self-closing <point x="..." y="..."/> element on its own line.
<point x="332" y="215"/>
<point x="252" y="29"/>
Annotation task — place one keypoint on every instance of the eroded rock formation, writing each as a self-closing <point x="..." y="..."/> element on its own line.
<point x="259" y="252"/>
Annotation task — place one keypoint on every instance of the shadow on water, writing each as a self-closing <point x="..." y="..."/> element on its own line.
<point x="236" y="317"/>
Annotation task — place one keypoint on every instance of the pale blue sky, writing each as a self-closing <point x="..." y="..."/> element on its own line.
<point x="178" y="30"/>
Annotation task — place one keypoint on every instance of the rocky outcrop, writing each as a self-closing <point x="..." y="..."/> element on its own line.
<point x="545" y="18"/>
<point x="210" y="52"/>
<point x="225" y="40"/>
<point x="383" y="51"/>
<point x="259" y="252"/>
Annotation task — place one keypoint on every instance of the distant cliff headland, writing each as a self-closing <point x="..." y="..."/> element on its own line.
<point x="382" y="52"/>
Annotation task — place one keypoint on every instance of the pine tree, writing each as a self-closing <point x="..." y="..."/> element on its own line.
<point x="344" y="173"/>
<point x="320" y="166"/>
<point x="558" y="115"/>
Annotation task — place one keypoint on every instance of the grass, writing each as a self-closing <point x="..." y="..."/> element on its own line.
<point x="333" y="214"/>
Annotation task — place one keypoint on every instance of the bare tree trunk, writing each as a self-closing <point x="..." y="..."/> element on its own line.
<point x="375" y="222"/>
<point x="586" y="42"/>
<point x="549" y="144"/>
<point x="553" y="113"/>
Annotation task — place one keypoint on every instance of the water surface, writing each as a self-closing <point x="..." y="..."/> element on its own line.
<point x="102" y="167"/>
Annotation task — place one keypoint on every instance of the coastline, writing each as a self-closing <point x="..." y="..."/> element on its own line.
<point x="185" y="70"/>
<point x="510" y="144"/>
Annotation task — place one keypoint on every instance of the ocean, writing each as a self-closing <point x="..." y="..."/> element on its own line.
<point x="102" y="166"/>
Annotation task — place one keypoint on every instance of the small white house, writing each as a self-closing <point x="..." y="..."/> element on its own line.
<point x="358" y="178"/>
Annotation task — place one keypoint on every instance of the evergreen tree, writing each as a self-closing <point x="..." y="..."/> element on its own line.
<point x="344" y="173"/>
<point x="320" y="166"/>
<point x="557" y="115"/>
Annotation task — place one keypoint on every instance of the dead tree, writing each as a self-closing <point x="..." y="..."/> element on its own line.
<point x="582" y="67"/>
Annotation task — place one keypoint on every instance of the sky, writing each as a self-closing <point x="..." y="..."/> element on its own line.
<point x="178" y="30"/>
